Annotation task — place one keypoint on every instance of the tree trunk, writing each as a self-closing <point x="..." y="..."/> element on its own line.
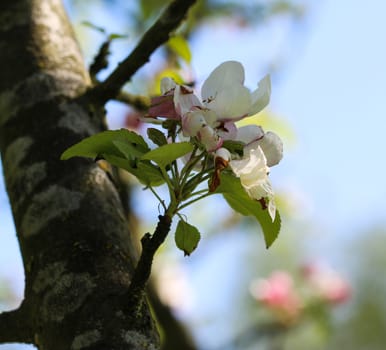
<point x="76" y="248"/>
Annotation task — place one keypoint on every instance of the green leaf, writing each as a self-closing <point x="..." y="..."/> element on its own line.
<point x="166" y="154"/>
<point x="103" y="143"/>
<point x="239" y="201"/>
<point x="234" y="146"/>
<point x="170" y="125"/>
<point x="187" y="237"/>
<point x="180" y="46"/>
<point x="146" y="173"/>
<point x="130" y="150"/>
<point x="157" y="136"/>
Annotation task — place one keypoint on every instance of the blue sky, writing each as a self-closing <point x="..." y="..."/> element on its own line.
<point x="334" y="96"/>
<point x="333" y="93"/>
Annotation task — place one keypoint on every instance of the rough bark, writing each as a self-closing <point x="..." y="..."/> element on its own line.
<point x="73" y="235"/>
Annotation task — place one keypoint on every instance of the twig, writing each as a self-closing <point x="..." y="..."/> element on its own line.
<point x="14" y="327"/>
<point x="157" y="35"/>
<point x="100" y="61"/>
<point x="150" y="244"/>
<point x="140" y="103"/>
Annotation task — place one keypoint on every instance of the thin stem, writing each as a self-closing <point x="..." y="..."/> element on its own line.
<point x="169" y="184"/>
<point x="176" y="171"/>
<point x="195" y="200"/>
<point x="158" y="197"/>
<point x="199" y="192"/>
<point x="199" y="178"/>
<point x="186" y="170"/>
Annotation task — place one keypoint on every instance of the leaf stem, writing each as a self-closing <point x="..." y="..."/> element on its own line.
<point x="162" y="202"/>
<point x="170" y="185"/>
<point x="194" y="200"/>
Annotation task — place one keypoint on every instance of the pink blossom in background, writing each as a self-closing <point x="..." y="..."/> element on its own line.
<point x="277" y="293"/>
<point x="132" y="120"/>
<point x="327" y="283"/>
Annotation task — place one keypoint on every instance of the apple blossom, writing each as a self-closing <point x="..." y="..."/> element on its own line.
<point x="327" y="284"/>
<point x="278" y="293"/>
<point x="249" y="133"/>
<point x="253" y="172"/>
<point x="225" y="99"/>
<point x="224" y="92"/>
<point x="270" y="143"/>
<point x="203" y="134"/>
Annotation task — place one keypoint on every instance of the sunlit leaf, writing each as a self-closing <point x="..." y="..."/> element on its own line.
<point x="180" y="46"/>
<point x="130" y="150"/>
<point x="103" y="143"/>
<point x="166" y="154"/>
<point x="238" y="199"/>
<point x="146" y="173"/>
<point x="187" y="237"/>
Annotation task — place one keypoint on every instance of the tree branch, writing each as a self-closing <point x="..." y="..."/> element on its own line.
<point x="15" y="328"/>
<point x="157" y="35"/>
<point x="140" y="103"/>
<point x="150" y="244"/>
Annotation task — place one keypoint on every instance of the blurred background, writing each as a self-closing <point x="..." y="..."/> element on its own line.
<point x="321" y="285"/>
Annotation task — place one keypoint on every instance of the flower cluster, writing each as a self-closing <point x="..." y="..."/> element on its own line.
<point x="318" y="286"/>
<point x="211" y="122"/>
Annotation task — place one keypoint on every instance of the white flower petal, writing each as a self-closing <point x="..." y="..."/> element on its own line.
<point x="227" y="131"/>
<point x="231" y="102"/>
<point x="210" y="117"/>
<point x="226" y="74"/>
<point x="253" y="173"/>
<point x="185" y="100"/>
<point x="261" y="96"/>
<point x="272" y="146"/>
<point x="272" y="208"/>
<point x="223" y="153"/>
<point x="249" y="133"/>
<point x="167" y="84"/>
